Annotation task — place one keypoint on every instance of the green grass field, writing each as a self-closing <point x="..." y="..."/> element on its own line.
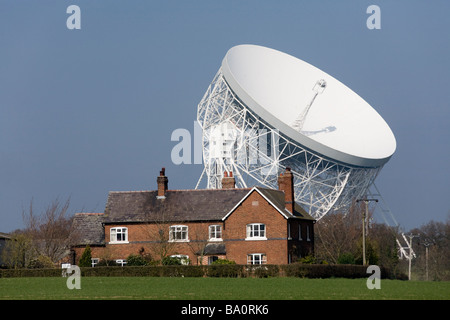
<point x="96" y="288"/>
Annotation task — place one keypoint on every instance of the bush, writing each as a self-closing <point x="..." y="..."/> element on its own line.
<point x="174" y="261"/>
<point x="41" y="262"/>
<point x="309" y="259"/>
<point x="225" y="270"/>
<point x="136" y="260"/>
<point x="181" y="271"/>
<point x="86" y="258"/>
<point x="218" y="270"/>
<point x="346" y="258"/>
<point x="16" y="273"/>
<point x="223" y="261"/>
<point x="263" y="271"/>
<point x="332" y="270"/>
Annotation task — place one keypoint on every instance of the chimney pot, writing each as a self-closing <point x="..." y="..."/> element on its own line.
<point x="228" y="181"/>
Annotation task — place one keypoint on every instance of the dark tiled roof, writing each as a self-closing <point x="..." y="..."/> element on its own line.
<point x="301" y="213"/>
<point x="186" y="205"/>
<point x="277" y="199"/>
<point x="215" y="249"/>
<point x="178" y="205"/>
<point x="89" y="228"/>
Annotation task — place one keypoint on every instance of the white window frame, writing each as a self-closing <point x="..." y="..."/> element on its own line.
<point x="94" y="261"/>
<point x="123" y="235"/>
<point x="121" y="262"/>
<point x="175" y="229"/>
<point x="256" y="258"/>
<point x="256" y="231"/>
<point x="215" y="232"/>
<point x="289" y="232"/>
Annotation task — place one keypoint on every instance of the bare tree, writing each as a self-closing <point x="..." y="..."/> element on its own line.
<point x="51" y="230"/>
<point x="432" y="247"/>
<point x="198" y="240"/>
<point x="157" y="230"/>
<point x="338" y="234"/>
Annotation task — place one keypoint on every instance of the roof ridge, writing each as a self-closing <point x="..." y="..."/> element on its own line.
<point x="220" y="189"/>
<point x="132" y="191"/>
<point x="178" y="190"/>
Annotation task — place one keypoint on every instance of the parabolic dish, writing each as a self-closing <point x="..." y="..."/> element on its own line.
<point x="336" y="122"/>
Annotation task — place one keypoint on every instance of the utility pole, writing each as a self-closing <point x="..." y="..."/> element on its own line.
<point x="365" y="214"/>
<point x="411" y="236"/>
<point x="427" y="243"/>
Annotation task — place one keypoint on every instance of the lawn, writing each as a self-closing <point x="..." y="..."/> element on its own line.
<point x="154" y="288"/>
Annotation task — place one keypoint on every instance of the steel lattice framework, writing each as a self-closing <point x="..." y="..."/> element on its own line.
<point x="235" y="139"/>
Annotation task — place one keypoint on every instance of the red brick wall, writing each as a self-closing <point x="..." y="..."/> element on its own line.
<point x="255" y="209"/>
<point x="144" y="237"/>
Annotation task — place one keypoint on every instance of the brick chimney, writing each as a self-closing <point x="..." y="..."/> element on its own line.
<point x="162" y="184"/>
<point x="286" y="184"/>
<point x="228" y="181"/>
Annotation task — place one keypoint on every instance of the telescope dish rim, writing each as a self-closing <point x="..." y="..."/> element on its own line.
<point x="262" y="78"/>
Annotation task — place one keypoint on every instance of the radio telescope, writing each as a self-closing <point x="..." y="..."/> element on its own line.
<point x="266" y="110"/>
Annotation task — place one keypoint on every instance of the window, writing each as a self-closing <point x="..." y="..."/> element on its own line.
<point x="94" y="261"/>
<point x="307" y="234"/>
<point x="118" y="235"/>
<point x="215" y="232"/>
<point x="300" y="232"/>
<point x="256" y="231"/>
<point x="178" y="233"/>
<point x="211" y="259"/>
<point x="256" y="258"/>
<point x="121" y="262"/>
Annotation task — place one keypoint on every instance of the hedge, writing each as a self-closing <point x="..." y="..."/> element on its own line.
<point x="227" y="270"/>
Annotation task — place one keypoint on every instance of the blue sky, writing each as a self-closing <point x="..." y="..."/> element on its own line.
<point x="84" y="112"/>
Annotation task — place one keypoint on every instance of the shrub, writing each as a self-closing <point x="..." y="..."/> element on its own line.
<point x="86" y="258"/>
<point x="309" y="259"/>
<point x="41" y="262"/>
<point x="263" y="271"/>
<point x="346" y="258"/>
<point x="181" y="271"/>
<point x="223" y="261"/>
<point x="136" y="260"/>
<point x="225" y="270"/>
<point x="218" y="270"/>
<point x="15" y="273"/>
<point x="174" y="261"/>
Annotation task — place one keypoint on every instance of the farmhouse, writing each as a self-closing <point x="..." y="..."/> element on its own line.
<point x="249" y="226"/>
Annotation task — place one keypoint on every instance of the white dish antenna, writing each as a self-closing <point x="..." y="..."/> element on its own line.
<point x="335" y="121"/>
<point x="266" y="110"/>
